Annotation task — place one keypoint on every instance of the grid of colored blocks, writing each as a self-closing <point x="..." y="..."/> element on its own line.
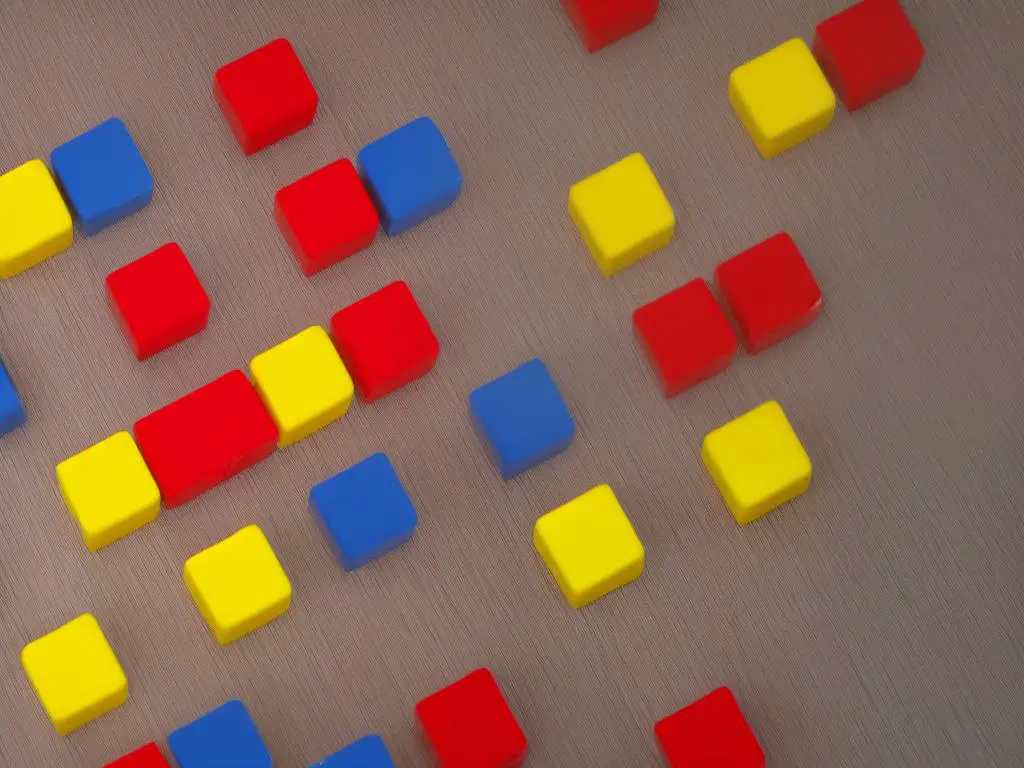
<point x="782" y="97"/>
<point x="709" y="732"/>
<point x="34" y="219"/>
<point x="12" y="412"/>
<point x="108" y="490"/>
<point x="368" y="752"/>
<point x="470" y="725"/>
<point x="238" y="584"/>
<point x="622" y="213"/>
<point x="757" y="462"/>
<point x="601" y="22"/>
<point x="522" y="418"/>
<point x="75" y="673"/>
<point x="146" y="756"/>
<point x="364" y="511"/>
<point x="103" y="175"/>
<point x="303" y="383"/>
<point x="157" y="300"/>
<point x="589" y="546"/>
<point x="226" y="737"/>
<point x="265" y="95"/>
<point x="385" y="341"/>
<point x="411" y="174"/>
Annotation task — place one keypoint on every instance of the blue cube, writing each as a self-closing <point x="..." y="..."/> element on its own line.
<point x="410" y="174"/>
<point x="522" y="418"/>
<point x="364" y="511"/>
<point x="367" y="752"/>
<point x="12" y="413"/>
<point x="223" y="738"/>
<point x="102" y="175"/>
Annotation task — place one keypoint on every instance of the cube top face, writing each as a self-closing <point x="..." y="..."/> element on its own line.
<point x="75" y="673"/>
<point x="238" y="584"/>
<point x="103" y="175"/>
<point x="225" y="737"/>
<point x="35" y="222"/>
<point x="469" y="725"/>
<point x="368" y="752"/>
<point x="12" y="413"/>
<point x="601" y="22"/>
<point x="158" y="300"/>
<point x="770" y="291"/>
<point x="265" y="95"/>
<point x="622" y="213"/>
<point x="522" y="417"/>
<point x="709" y="732"/>
<point x="109" y="490"/>
<point x="385" y="340"/>
<point x="411" y="174"/>
<point x="589" y="545"/>
<point x="147" y="756"/>
<point x="326" y="216"/>
<point x="686" y="336"/>
<point x="303" y="383"/>
<point x="757" y="462"/>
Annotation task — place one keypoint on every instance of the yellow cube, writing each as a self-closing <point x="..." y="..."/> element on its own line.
<point x="622" y="213"/>
<point x="782" y="97"/>
<point x="109" y="490"/>
<point x="757" y="462"/>
<point x="303" y="383"/>
<point x="75" y="673"/>
<point x="35" y="222"/>
<point x="589" y="546"/>
<point x="238" y="584"/>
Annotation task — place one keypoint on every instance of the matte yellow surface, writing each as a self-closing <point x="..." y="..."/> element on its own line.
<point x="238" y="584"/>
<point x="109" y="490"/>
<point x="622" y="213"/>
<point x="782" y="97"/>
<point x="757" y="462"/>
<point x="35" y="222"/>
<point x="75" y="673"/>
<point x="303" y="383"/>
<point x="589" y="546"/>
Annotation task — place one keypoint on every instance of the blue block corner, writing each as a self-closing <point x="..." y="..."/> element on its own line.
<point x="12" y="412"/>
<point x="368" y="752"/>
<point x="225" y="737"/>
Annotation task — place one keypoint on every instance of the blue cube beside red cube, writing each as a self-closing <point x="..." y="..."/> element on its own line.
<point x="225" y="737"/>
<point x="368" y="752"/>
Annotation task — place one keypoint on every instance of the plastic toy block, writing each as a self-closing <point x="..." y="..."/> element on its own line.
<point x="326" y="216"/>
<point x="709" y="733"/>
<point x="589" y="546"/>
<point x="12" y="413"/>
<point x="103" y="176"/>
<point x="522" y="418"/>
<point x="157" y="300"/>
<point x="205" y="437"/>
<point x="35" y="223"/>
<point x="225" y="737"/>
<point x="757" y="462"/>
<point x="303" y="383"/>
<point x="600" y="22"/>
<point x="364" y="511"/>
<point x="75" y="673"/>
<point x="782" y="98"/>
<point x="265" y="95"/>
<point x="770" y="292"/>
<point x="108" y="490"/>
<point x="469" y="725"/>
<point x="622" y="213"/>
<point x="410" y="174"/>
<point x="686" y="336"/>
<point x="238" y="584"/>
<point x="867" y="51"/>
<point x="368" y="752"/>
<point x="147" y="756"/>
<point x="385" y="341"/>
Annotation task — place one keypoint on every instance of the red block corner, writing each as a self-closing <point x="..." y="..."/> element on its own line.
<point x="709" y="732"/>
<point x="601" y="22"/>
<point x="147" y="756"/>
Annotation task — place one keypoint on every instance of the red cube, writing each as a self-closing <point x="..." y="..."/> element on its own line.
<point x="265" y="95"/>
<point x="144" y="757"/>
<point x="709" y="733"/>
<point x="326" y="216"/>
<point x="868" y="50"/>
<point x="686" y="336"/>
<point x="469" y="725"/>
<point x="600" y="22"/>
<point x="157" y="300"/>
<point x="770" y="292"/>
<point x="385" y="341"/>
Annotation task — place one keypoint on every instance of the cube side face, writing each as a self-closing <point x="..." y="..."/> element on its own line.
<point x="601" y="22"/>
<point x="367" y="752"/>
<point x="710" y="731"/>
<point x="146" y="756"/>
<point x="12" y="412"/>
<point x="33" y="216"/>
<point x="226" y="737"/>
